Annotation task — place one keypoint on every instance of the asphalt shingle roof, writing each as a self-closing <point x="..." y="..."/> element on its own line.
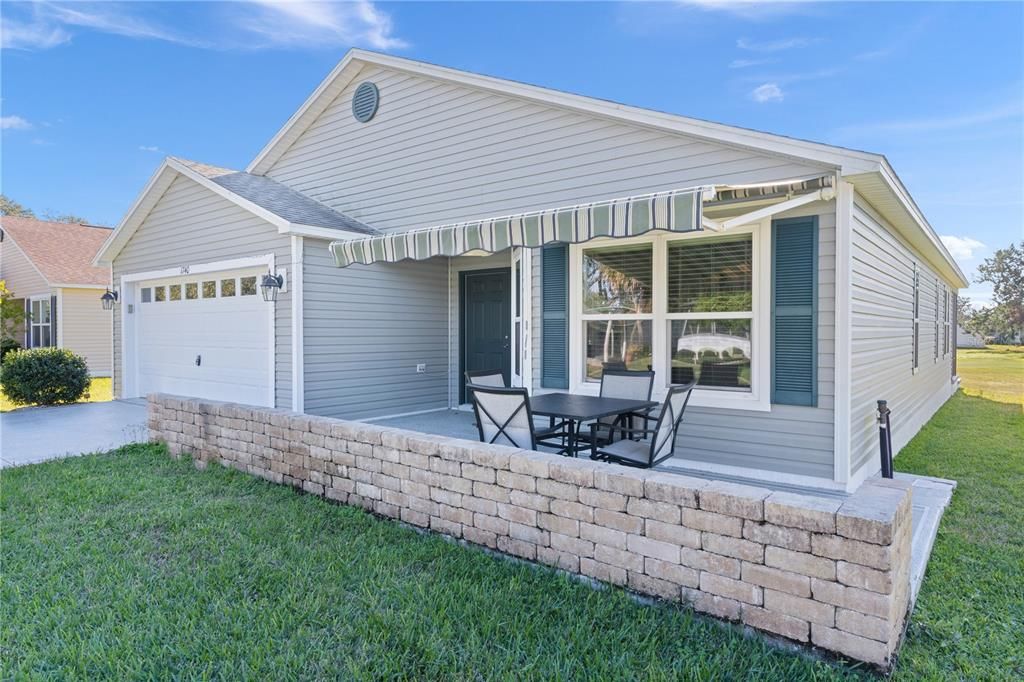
<point x="62" y="252"/>
<point x="279" y="199"/>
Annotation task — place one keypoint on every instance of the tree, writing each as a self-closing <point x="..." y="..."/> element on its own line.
<point x="12" y="313"/>
<point x="964" y="310"/>
<point x="64" y="218"/>
<point x="13" y="208"/>
<point x="1005" y="272"/>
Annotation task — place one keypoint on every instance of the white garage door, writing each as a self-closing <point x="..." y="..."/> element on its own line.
<point x="207" y="336"/>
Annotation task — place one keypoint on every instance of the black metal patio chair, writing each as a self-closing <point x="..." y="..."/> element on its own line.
<point x="503" y="417"/>
<point x="655" y="445"/>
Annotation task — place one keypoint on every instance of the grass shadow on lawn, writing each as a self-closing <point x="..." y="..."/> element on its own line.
<point x="131" y="564"/>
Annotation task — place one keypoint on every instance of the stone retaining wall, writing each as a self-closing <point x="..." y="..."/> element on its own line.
<point x="833" y="573"/>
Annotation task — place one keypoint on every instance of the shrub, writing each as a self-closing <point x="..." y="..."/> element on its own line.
<point x="6" y="346"/>
<point x="44" y="376"/>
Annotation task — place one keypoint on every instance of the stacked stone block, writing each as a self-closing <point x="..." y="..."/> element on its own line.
<point x="828" y="572"/>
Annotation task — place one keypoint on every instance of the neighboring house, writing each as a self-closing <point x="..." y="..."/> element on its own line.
<point x="965" y="339"/>
<point x="49" y="267"/>
<point x="797" y="282"/>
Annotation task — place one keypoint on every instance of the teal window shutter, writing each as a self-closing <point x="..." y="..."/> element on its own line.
<point x="795" y="311"/>
<point x="555" y="316"/>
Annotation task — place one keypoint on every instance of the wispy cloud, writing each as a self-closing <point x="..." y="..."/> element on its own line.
<point x="149" y="148"/>
<point x="769" y="92"/>
<point x="961" y="248"/>
<point x="1010" y="110"/>
<point x="14" y="123"/>
<point x="747" y="9"/>
<point x="747" y="63"/>
<point x="780" y="45"/>
<point x="255" y="24"/>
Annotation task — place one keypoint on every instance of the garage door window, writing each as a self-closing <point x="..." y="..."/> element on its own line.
<point x="227" y="287"/>
<point x="147" y="295"/>
<point x="248" y="286"/>
<point x="192" y="290"/>
<point x="175" y="292"/>
<point x="210" y="289"/>
<point x="159" y="294"/>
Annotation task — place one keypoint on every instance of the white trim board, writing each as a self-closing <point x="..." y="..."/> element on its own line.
<point x="298" y="332"/>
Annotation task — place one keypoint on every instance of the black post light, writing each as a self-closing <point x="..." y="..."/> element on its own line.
<point x="109" y="298"/>
<point x="270" y="285"/>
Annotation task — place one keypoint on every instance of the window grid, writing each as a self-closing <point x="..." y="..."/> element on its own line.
<point x="936" y="349"/>
<point x="916" y="316"/>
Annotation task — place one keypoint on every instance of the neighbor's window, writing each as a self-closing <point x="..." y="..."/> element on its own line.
<point x="617" y="314"/>
<point x="227" y="287"/>
<point x="248" y="286"/>
<point x="710" y="309"/>
<point x="41" y="324"/>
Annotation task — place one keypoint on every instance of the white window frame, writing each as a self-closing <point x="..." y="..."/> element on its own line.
<point x="759" y="397"/>
<point x="916" y="324"/>
<point x="33" y="324"/>
<point x="947" y="304"/>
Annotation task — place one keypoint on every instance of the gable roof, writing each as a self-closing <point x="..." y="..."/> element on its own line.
<point x="61" y="252"/>
<point x="871" y="174"/>
<point x="287" y="209"/>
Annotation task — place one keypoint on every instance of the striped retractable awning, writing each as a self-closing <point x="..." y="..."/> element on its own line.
<point x="674" y="211"/>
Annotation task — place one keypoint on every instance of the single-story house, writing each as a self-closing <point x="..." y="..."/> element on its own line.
<point x="48" y="266"/>
<point x="965" y="339"/>
<point x="425" y="221"/>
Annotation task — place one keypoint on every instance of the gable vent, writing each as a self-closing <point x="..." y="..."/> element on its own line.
<point x="365" y="101"/>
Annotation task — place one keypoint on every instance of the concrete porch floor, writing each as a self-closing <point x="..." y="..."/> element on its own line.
<point x="931" y="495"/>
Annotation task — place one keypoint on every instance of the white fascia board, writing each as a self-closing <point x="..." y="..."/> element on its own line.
<point x="899" y="189"/>
<point x="98" y="287"/>
<point x="158" y="183"/>
<point x="316" y="232"/>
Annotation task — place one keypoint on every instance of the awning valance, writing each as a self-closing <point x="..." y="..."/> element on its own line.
<point x="673" y="211"/>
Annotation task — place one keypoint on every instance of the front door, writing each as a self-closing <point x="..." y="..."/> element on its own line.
<point x="486" y="324"/>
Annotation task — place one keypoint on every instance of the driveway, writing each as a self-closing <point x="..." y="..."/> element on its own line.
<point x="34" y="434"/>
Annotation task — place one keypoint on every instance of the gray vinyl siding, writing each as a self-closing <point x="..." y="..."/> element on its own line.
<point x="882" y="287"/>
<point x="438" y="152"/>
<point x="191" y="225"/>
<point x="365" y="330"/>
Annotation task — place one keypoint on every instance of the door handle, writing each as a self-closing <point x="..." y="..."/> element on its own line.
<point x="199" y="360"/>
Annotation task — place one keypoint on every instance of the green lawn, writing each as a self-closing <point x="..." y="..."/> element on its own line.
<point x="100" y="391"/>
<point x="993" y="372"/>
<point x="133" y="565"/>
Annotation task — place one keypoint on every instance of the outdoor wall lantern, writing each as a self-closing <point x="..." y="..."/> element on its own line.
<point x="270" y="286"/>
<point x="109" y="298"/>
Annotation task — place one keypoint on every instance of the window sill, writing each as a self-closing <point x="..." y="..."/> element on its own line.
<point x="725" y="400"/>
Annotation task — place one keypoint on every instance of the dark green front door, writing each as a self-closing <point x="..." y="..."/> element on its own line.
<point x="486" y="323"/>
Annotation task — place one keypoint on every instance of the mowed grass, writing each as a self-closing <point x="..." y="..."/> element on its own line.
<point x="100" y="391"/>
<point x="993" y="372"/>
<point x="133" y="565"/>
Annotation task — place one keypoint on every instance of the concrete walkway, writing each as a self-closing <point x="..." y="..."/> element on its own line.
<point x="35" y="434"/>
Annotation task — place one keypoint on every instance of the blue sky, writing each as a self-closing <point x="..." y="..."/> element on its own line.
<point x="94" y="94"/>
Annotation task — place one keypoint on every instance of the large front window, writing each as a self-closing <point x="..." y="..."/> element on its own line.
<point x="683" y="306"/>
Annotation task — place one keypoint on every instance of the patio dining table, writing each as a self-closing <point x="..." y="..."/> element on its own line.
<point x="576" y="408"/>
